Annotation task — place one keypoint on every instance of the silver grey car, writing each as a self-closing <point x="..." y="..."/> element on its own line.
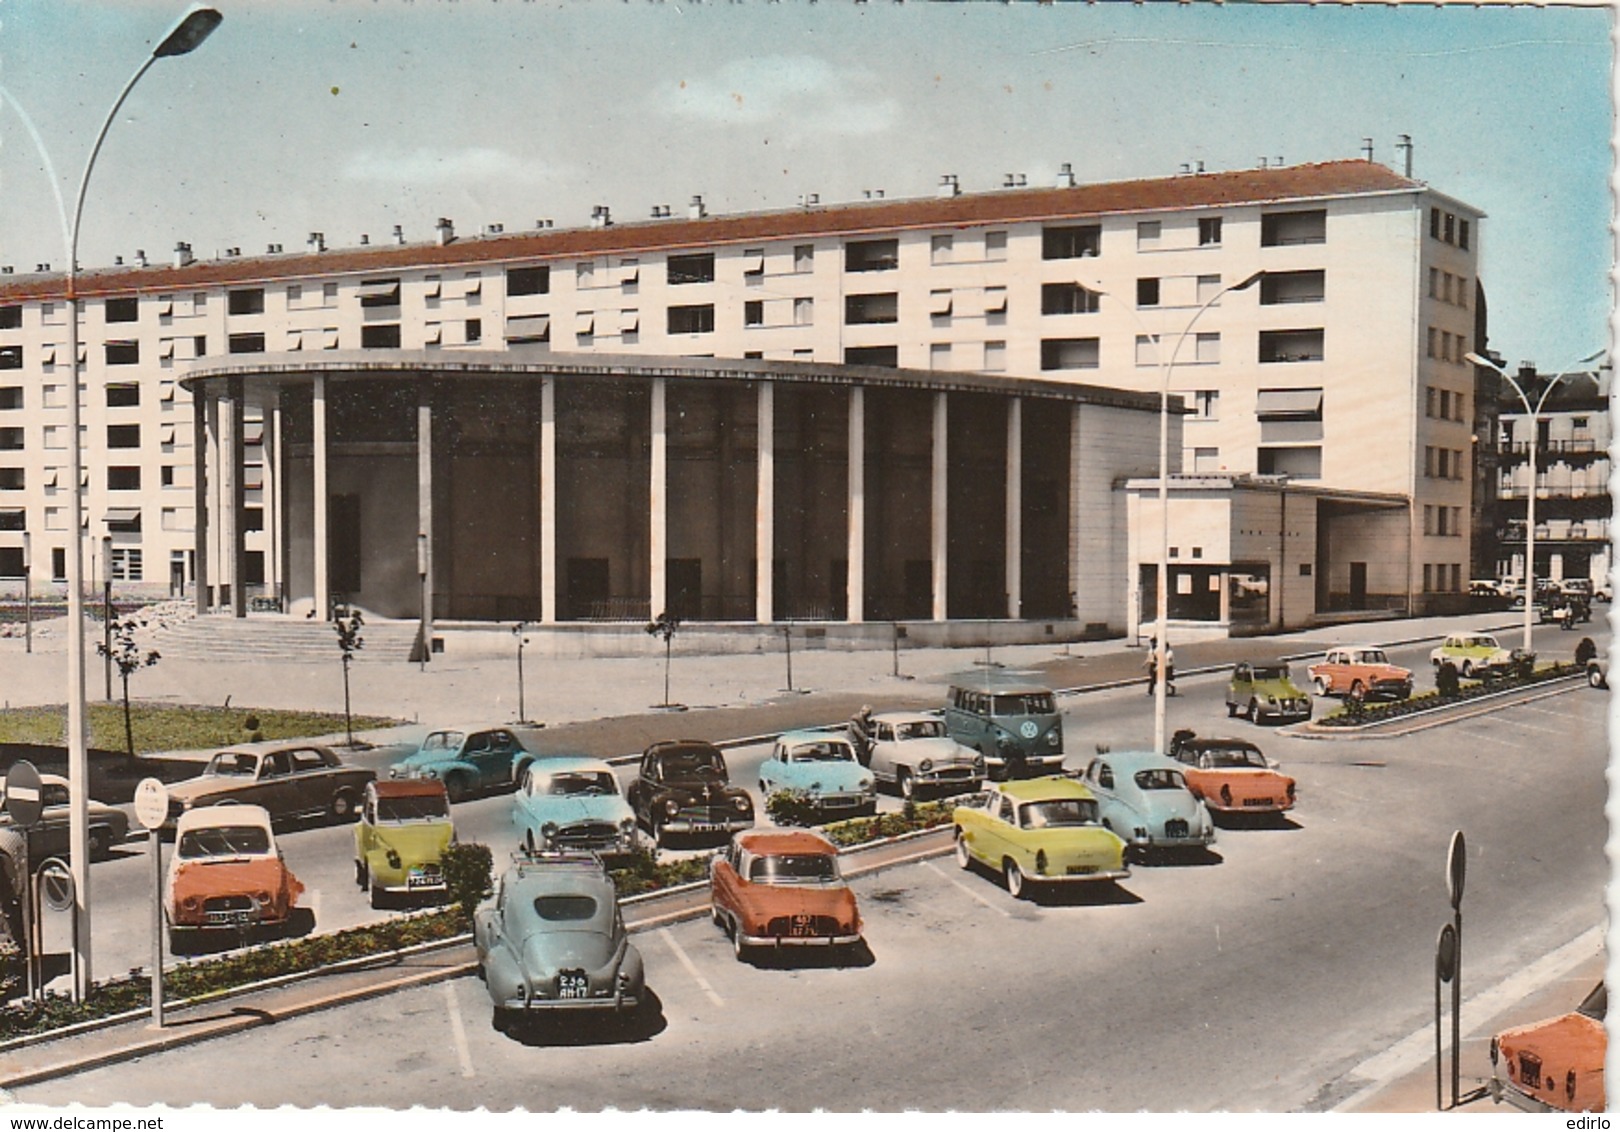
<point x="911" y="752"/>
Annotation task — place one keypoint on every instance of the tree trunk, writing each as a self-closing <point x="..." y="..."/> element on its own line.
<point x="129" y="731"/>
<point x="348" y="721"/>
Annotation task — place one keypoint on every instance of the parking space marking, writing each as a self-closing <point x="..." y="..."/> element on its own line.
<point x="1493" y="739"/>
<point x="458" y="1031"/>
<point x="929" y="865"/>
<point x="691" y="968"/>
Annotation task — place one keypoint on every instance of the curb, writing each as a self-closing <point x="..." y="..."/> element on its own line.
<point x="1560" y="685"/>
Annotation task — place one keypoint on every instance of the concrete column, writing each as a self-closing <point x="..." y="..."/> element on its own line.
<point x="855" y="583"/>
<point x="1015" y="507"/>
<point x="938" y="519"/>
<point x="275" y="525"/>
<point x="233" y="494"/>
<point x="323" y="596"/>
<point x="199" y="496"/>
<point x="1226" y="597"/>
<point x="1077" y="556"/>
<point x="658" y="524"/>
<point x="217" y="555"/>
<point x="548" y="502"/>
<point x="424" y="505"/>
<point x="765" y="508"/>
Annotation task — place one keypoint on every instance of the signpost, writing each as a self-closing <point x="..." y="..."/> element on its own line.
<point x="24" y="804"/>
<point x="152" y="810"/>
<point x="1448" y="969"/>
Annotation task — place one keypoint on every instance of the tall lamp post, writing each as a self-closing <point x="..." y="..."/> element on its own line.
<point x="1534" y="414"/>
<point x="1162" y="606"/>
<point x="28" y="592"/>
<point x="189" y="31"/>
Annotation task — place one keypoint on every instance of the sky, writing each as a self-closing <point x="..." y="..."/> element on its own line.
<point x="352" y="116"/>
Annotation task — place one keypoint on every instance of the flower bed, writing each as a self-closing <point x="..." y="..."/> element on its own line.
<point x="1358" y="713"/>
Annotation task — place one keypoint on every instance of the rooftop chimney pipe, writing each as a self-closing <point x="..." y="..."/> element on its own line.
<point x="1065" y="177"/>
<point x="1403" y="145"/>
<point x="446" y="230"/>
<point x="696" y="209"/>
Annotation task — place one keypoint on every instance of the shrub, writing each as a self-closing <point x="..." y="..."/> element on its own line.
<point x="642" y="873"/>
<point x="787" y="808"/>
<point x="468" y="869"/>
<point x="1446" y="679"/>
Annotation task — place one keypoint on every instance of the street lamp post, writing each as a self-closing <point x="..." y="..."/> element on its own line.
<point x="106" y="613"/>
<point x="28" y="592"/>
<point x="189" y="31"/>
<point x="1534" y="413"/>
<point x="1161" y="645"/>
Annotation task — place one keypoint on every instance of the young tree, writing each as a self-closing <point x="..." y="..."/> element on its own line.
<point x="130" y="658"/>
<point x="348" y="622"/>
<point x="665" y="625"/>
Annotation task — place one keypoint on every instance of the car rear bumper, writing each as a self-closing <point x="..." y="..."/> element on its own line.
<point x="691" y="825"/>
<point x="799" y="940"/>
<point x="1079" y="878"/>
<point x="616" y="1003"/>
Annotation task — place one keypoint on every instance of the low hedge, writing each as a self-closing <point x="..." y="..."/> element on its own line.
<point x="1355" y="713"/>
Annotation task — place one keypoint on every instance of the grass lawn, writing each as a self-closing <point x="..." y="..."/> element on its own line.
<point x="175" y="727"/>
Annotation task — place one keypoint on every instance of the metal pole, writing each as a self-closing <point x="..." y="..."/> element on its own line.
<point x="28" y="593"/>
<point x="154" y="845"/>
<point x="895" y="645"/>
<point x="522" y="712"/>
<point x="787" y="633"/>
<point x="106" y="613"/>
<point x="1456" y="1010"/>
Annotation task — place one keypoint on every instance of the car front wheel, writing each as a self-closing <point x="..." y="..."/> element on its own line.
<point x="1253" y="715"/>
<point x="1320" y="685"/>
<point x="1594" y="677"/>
<point x="455" y="787"/>
<point x="343" y="807"/>
<point x="906" y="784"/>
<point x="964" y="859"/>
<point x="1015" y="878"/>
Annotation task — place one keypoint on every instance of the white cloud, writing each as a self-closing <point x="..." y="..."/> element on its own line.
<point x="425" y="166"/>
<point x="800" y="92"/>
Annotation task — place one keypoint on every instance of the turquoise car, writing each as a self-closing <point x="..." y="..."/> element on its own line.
<point x="820" y="769"/>
<point x="1144" y="798"/>
<point x="467" y="760"/>
<point x="574" y="805"/>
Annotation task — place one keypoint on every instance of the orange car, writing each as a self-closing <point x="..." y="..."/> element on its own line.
<point x="782" y="888"/>
<point x="227" y="874"/>
<point x="1231" y="775"/>
<point x="1555" y="1064"/>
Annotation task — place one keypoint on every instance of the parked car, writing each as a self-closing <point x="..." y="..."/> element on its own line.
<point x="1555" y="1065"/>
<point x="227" y="874"/>
<point x="910" y="752"/>
<point x="403" y="831"/>
<point x="297" y="780"/>
<point x="1471" y="654"/>
<point x="467" y="760"/>
<point x="820" y="770"/>
<point x="1360" y="672"/>
<point x="1144" y="798"/>
<point x="1232" y="776"/>
<point x="1597" y="671"/>
<point x="782" y="888"/>
<point x="574" y="805"/>
<point x="1038" y="831"/>
<point x="1577" y="587"/>
<point x="1603" y="590"/>
<point x="1565" y="609"/>
<point x="49" y="837"/>
<point x="1266" y="691"/>
<point x="1013" y="724"/>
<point x="550" y="940"/>
<point x="682" y="787"/>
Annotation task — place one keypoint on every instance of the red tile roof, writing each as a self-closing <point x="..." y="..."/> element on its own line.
<point x="1202" y="190"/>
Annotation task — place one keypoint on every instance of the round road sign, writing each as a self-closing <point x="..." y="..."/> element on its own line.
<point x="1456" y="869"/>
<point x="55" y="884"/>
<point x="151" y="803"/>
<point x="1445" y="954"/>
<point x="23" y="800"/>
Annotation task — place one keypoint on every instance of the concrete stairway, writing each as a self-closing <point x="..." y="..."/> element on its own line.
<point x="272" y="637"/>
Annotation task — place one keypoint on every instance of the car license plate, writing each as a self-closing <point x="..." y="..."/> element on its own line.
<point x="706" y="827"/>
<point x="1081" y="870"/>
<point x="235" y="916"/>
<point x="1257" y="801"/>
<point x="801" y="926"/>
<point x="573" y="984"/>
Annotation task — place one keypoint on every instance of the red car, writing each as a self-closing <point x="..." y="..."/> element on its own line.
<point x="1555" y="1065"/>
<point x="782" y="888"/>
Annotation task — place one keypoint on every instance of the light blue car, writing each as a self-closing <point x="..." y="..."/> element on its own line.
<point x="573" y="805"/>
<point x="820" y="769"/>
<point x="1144" y="799"/>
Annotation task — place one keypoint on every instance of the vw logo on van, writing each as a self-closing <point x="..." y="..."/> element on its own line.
<point x="1028" y="729"/>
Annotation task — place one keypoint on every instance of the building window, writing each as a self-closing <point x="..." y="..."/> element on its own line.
<point x="995" y="306"/>
<point x="1206" y="404"/>
<point x="886" y="356"/>
<point x="804" y="258"/>
<point x="58" y="558"/>
<point x="11" y="479"/>
<point x="995" y="246"/>
<point x="475" y="330"/>
<point x="1449" y="233"/>
<point x="1069" y="353"/>
<point x="13" y="520"/>
<point x="248" y="301"/>
<point x="584" y="274"/>
<point x="1462" y="238"/>
<point x="1068" y="298"/>
<point x="1148" y="233"/>
<point x="166" y="475"/>
<point x="376" y="293"/>
<point x="11" y="357"/>
<point x="754" y="313"/>
<point x="123" y="353"/>
<point x="884" y="307"/>
<point x="1207" y="348"/>
<point x="871" y="255"/>
<point x="329" y="294"/>
<point x="939" y="355"/>
<point x="695" y="319"/>
<point x="528" y="280"/>
<point x="11" y="397"/>
<point x="1209" y="231"/>
<point x="126" y="477"/>
<point x="382" y="337"/>
<point x="995" y="357"/>
<point x="10" y="317"/>
<point x="1071" y="242"/>
<point x="126" y="563"/>
<point x="199" y="345"/>
<point x="1147" y="350"/>
<point x="1279" y="287"/>
<point x="246" y="343"/>
<point x="1304" y="463"/>
<point x="939" y="307"/>
<point x="694" y="268"/>
<point x="11" y="439"/>
<point x="753" y="267"/>
<point x="123" y="395"/>
<point x="123" y="436"/>
<point x="123" y="310"/>
<point x="1428" y="578"/>
<point x="1291" y="345"/>
<point x="1288" y="405"/>
<point x="1206" y="460"/>
<point x="253" y="518"/>
<point x="1278" y="229"/>
<point x="804" y="311"/>
<point x="1147" y="292"/>
<point x="940" y="249"/>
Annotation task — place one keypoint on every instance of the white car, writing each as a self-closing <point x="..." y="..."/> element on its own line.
<point x="1471" y="654"/>
<point x="227" y="874"/>
<point x="911" y="752"/>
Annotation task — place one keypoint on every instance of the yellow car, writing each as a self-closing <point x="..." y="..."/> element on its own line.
<point x="1038" y="831"/>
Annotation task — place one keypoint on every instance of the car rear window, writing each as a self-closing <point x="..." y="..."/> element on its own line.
<point x="793" y="868"/>
<point x="1270" y="672"/>
<point x="920" y="729"/>
<point x="224" y="841"/>
<point x="1159" y="778"/>
<point x="565" y="907"/>
<point x="1233" y="756"/>
<point x="1057" y="812"/>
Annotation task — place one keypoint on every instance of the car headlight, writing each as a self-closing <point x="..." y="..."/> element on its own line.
<point x="926" y="765"/>
<point x="671" y="807"/>
<point x="394" y="861"/>
<point x="548" y="831"/>
<point x="261" y="898"/>
<point x="742" y="803"/>
<point x="978" y="765"/>
<point x="866" y="786"/>
<point x="628" y="825"/>
<point x="396" y="772"/>
<point x="191" y="903"/>
<point x="1054" y="737"/>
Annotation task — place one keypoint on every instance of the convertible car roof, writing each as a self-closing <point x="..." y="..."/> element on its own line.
<point x="408" y="787"/>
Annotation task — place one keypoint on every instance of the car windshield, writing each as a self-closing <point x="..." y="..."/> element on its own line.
<point x="794" y="868"/>
<point x="1160" y="778"/>
<point x="1479" y="642"/>
<point x="579" y="782"/>
<point x="1233" y="757"/>
<point x="1028" y="703"/>
<point x="1057" y="812"/>
<point x="233" y="764"/>
<point x="563" y="907"/>
<point x="830" y="751"/>
<point x="686" y="764"/>
<point x="921" y="729"/>
<point x="225" y="841"/>
<point x="1270" y="672"/>
<point x="413" y="807"/>
<point x="443" y="741"/>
